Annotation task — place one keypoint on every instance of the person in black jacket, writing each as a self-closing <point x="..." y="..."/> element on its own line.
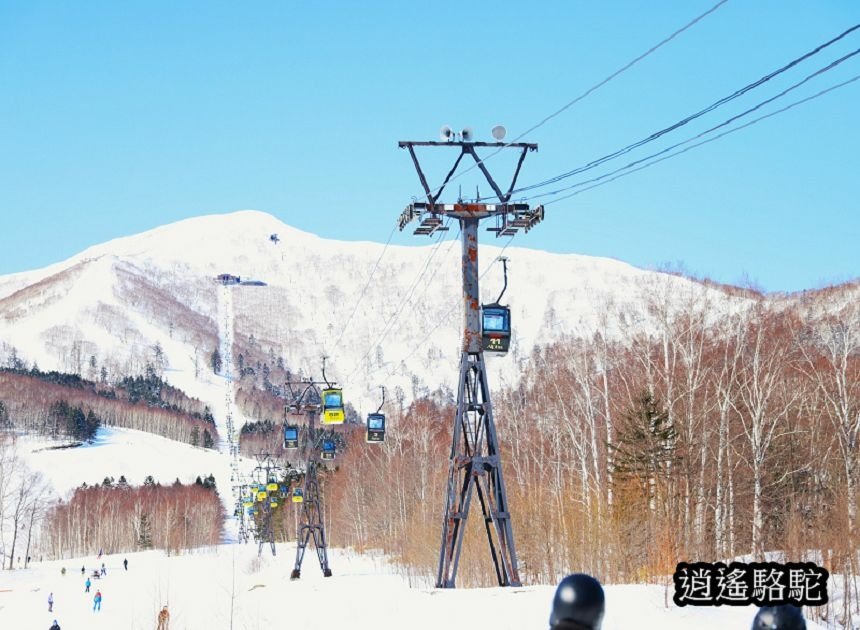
<point x="56" y="626"/>
<point x="579" y="604"/>
<point x="786" y="617"/>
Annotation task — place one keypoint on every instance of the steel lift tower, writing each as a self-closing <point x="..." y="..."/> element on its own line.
<point x="266" y="469"/>
<point x="475" y="461"/>
<point x="306" y="399"/>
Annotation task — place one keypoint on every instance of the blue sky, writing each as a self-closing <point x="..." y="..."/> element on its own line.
<point x="116" y="117"/>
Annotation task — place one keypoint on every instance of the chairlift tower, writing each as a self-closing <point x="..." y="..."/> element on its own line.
<point x="305" y="398"/>
<point x="265" y="533"/>
<point x="475" y="463"/>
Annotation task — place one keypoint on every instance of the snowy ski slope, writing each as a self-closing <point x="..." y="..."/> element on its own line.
<point x="364" y="593"/>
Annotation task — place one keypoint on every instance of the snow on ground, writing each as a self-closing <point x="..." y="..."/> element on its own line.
<point x="364" y="592"/>
<point x="134" y="454"/>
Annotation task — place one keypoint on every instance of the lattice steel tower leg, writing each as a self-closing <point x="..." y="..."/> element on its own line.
<point x="475" y="462"/>
<point x="267" y="535"/>
<point x="311" y="524"/>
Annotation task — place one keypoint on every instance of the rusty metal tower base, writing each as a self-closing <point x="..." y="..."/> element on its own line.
<point x="475" y="467"/>
<point x="312" y="525"/>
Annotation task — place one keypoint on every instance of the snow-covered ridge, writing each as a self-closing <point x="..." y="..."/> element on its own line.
<point x="119" y="298"/>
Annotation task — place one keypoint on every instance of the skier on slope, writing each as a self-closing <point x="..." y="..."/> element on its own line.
<point x="579" y="604"/>
<point x="50" y="602"/>
<point x="87" y="584"/>
<point x="786" y="617"/>
<point x="56" y="626"/>
<point x="97" y="601"/>
<point x="125" y="563"/>
<point x="163" y="619"/>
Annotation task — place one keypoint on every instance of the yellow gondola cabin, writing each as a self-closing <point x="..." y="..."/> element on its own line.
<point x="332" y="406"/>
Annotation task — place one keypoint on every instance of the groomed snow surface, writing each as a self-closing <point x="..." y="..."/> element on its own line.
<point x="229" y="587"/>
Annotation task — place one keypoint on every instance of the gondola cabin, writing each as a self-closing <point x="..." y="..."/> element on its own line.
<point x="251" y="511"/>
<point x="273" y="503"/>
<point x="291" y="437"/>
<point x="495" y="328"/>
<point x="376" y="427"/>
<point x="272" y="488"/>
<point x="332" y="406"/>
<point x="328" y="449"/>
<point x="298" y="495"/>
<point x="261" y="496"/>
<point x="283" y="492"/>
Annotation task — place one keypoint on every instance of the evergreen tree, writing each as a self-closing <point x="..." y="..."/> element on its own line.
<point x="144" y="530"/>
<point x="195" y="436"/>
<point x="215" y="361"/>
<point x="645" y="444"/>
<point x="207" y="439"/>
<point x="91" y="426"/>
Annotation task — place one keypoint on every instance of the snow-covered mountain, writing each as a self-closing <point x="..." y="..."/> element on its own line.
<point x="116" y="300"/>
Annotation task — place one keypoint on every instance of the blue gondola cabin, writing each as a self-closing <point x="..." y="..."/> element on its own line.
<point x="328" y="449"/>
<point x="495" y="328"/>
<point x="298" y="495"/>
<point x="291" y="437"/>
<point x="375" y="427"/>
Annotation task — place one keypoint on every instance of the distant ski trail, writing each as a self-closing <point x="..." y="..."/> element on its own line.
<point x="228" y="443"/>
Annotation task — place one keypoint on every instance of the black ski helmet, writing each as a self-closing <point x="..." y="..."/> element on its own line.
<point x="578" y="599"/>
<point x="786" y="617"/>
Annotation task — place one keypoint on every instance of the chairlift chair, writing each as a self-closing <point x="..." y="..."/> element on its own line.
<point x="298" y="495"/>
